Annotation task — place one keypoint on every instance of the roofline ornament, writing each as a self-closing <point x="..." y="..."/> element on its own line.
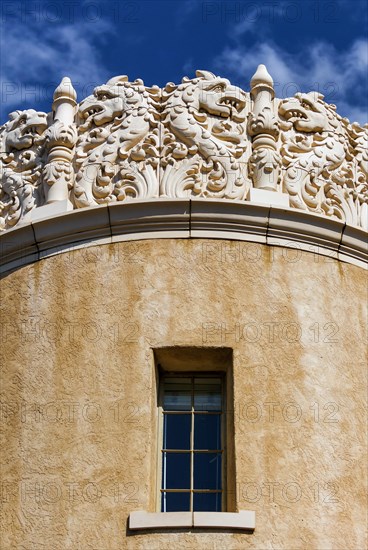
<point x="203" y="138"/>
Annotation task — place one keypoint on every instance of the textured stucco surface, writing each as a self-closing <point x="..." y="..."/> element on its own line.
<point x="78" y="386"/>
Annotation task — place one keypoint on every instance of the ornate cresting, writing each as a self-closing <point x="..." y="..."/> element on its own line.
<point x="117" y="154"/>
<point x="205" y="143"/>
<point x="58" y="173"/>
<point x="202" y="138"/>
<point x="263" y="126"/>
<point x="22" y="153"/>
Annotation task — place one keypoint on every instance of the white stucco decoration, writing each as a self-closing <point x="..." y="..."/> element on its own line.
<point x="203" y="138"/>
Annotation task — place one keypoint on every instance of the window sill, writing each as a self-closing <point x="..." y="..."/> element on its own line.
<point x="244" y="520"/>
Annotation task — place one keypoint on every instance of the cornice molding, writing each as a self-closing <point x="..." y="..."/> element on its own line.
<point x="181" y="219"/>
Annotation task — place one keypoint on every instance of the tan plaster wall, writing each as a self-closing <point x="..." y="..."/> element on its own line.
<point x="78" y="391"/>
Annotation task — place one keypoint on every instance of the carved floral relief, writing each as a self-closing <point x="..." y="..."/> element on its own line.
<point x="201" y="138"/>
<point x="323" y="159"/>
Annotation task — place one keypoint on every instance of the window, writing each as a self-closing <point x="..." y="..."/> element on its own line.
<point x="193" y="462"/>
<point x="192" y="450"/>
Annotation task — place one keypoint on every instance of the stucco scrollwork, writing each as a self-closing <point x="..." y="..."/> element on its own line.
<point x="60" y="138"/>
<point x="263" y="126"/>
<point x="117" y="150"/>
<point x="202" y="138"/>
<point x="323" y="165"/>
<point x="22" y="156"/>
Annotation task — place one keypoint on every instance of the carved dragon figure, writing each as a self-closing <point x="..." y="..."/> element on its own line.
<point x="113" y="123"/>
<point x="204" y="123"/>
<point x="319" y="159"/>
<point x="202" y="138"/>
<point x="312" y="148"/>
<point x="307" y="113"/>
<point x="22" y="141"/>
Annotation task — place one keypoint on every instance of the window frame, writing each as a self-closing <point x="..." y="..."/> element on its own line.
<point x="178" y="360"/>
<point x="164" y="375"/>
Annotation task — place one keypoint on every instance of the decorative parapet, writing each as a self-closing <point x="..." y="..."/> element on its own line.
<point x="203" y="138"/>
<point x="263" y="126"/>
<point x="58" y="173"/>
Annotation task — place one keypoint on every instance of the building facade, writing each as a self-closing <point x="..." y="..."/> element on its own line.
<point x="183" y="320"/>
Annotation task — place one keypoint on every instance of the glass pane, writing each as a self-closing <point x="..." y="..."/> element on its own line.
<point x="175" y="502"/>
<point x="177" y="431"/>
<point x="207" y="431"/>
<point x="207" y="502"/>
<point x="177" y="394"/>
<point x="207" y="471"/>
<point x="207" y="394"/>
<point x="176" y="471"/>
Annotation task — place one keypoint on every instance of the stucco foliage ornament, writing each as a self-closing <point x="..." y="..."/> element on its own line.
<point x="201" y="138"/>
<point x="204" y="138"/>
<point x="65" y="136"/>
<point x="22" y="156"/>
<point x="263" y="125"/>
<point x="323" y="159"/>
<point x="117" y="150"/>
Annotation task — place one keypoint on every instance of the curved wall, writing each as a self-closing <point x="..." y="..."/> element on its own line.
<point x="79" y="391"/>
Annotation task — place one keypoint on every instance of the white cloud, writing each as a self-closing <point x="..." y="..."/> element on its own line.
<point x="246" y="24"/>
<point x="185" y="11"/>
<point x="31" y="68"/>
<point x="189" y="67"/>
<point x="340" y="76"/>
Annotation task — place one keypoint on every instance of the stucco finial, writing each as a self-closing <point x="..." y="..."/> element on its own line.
<point x="65" y="90"/>
<point x="261" y="76"/>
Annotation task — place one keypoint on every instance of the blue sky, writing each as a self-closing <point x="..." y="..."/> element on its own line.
<point x="306" y="44"/>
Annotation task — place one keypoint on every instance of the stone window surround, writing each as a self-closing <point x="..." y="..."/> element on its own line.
<point x="183" y="360"/>
<point x="144" y="521"/>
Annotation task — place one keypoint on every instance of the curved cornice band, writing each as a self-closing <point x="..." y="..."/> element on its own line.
<point x="182" y="218"/>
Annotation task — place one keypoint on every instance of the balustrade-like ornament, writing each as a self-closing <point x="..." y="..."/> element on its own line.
<point x="62" y="135"/>
<point x="202" y="138"/>
<point x="263" y="126"/>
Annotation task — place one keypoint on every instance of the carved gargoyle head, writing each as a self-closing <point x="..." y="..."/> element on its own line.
<point x="24" y="129"/>
<point x="110" y="101"/>
<point x="306" y="112"/>
<point x="217" y="96"/>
